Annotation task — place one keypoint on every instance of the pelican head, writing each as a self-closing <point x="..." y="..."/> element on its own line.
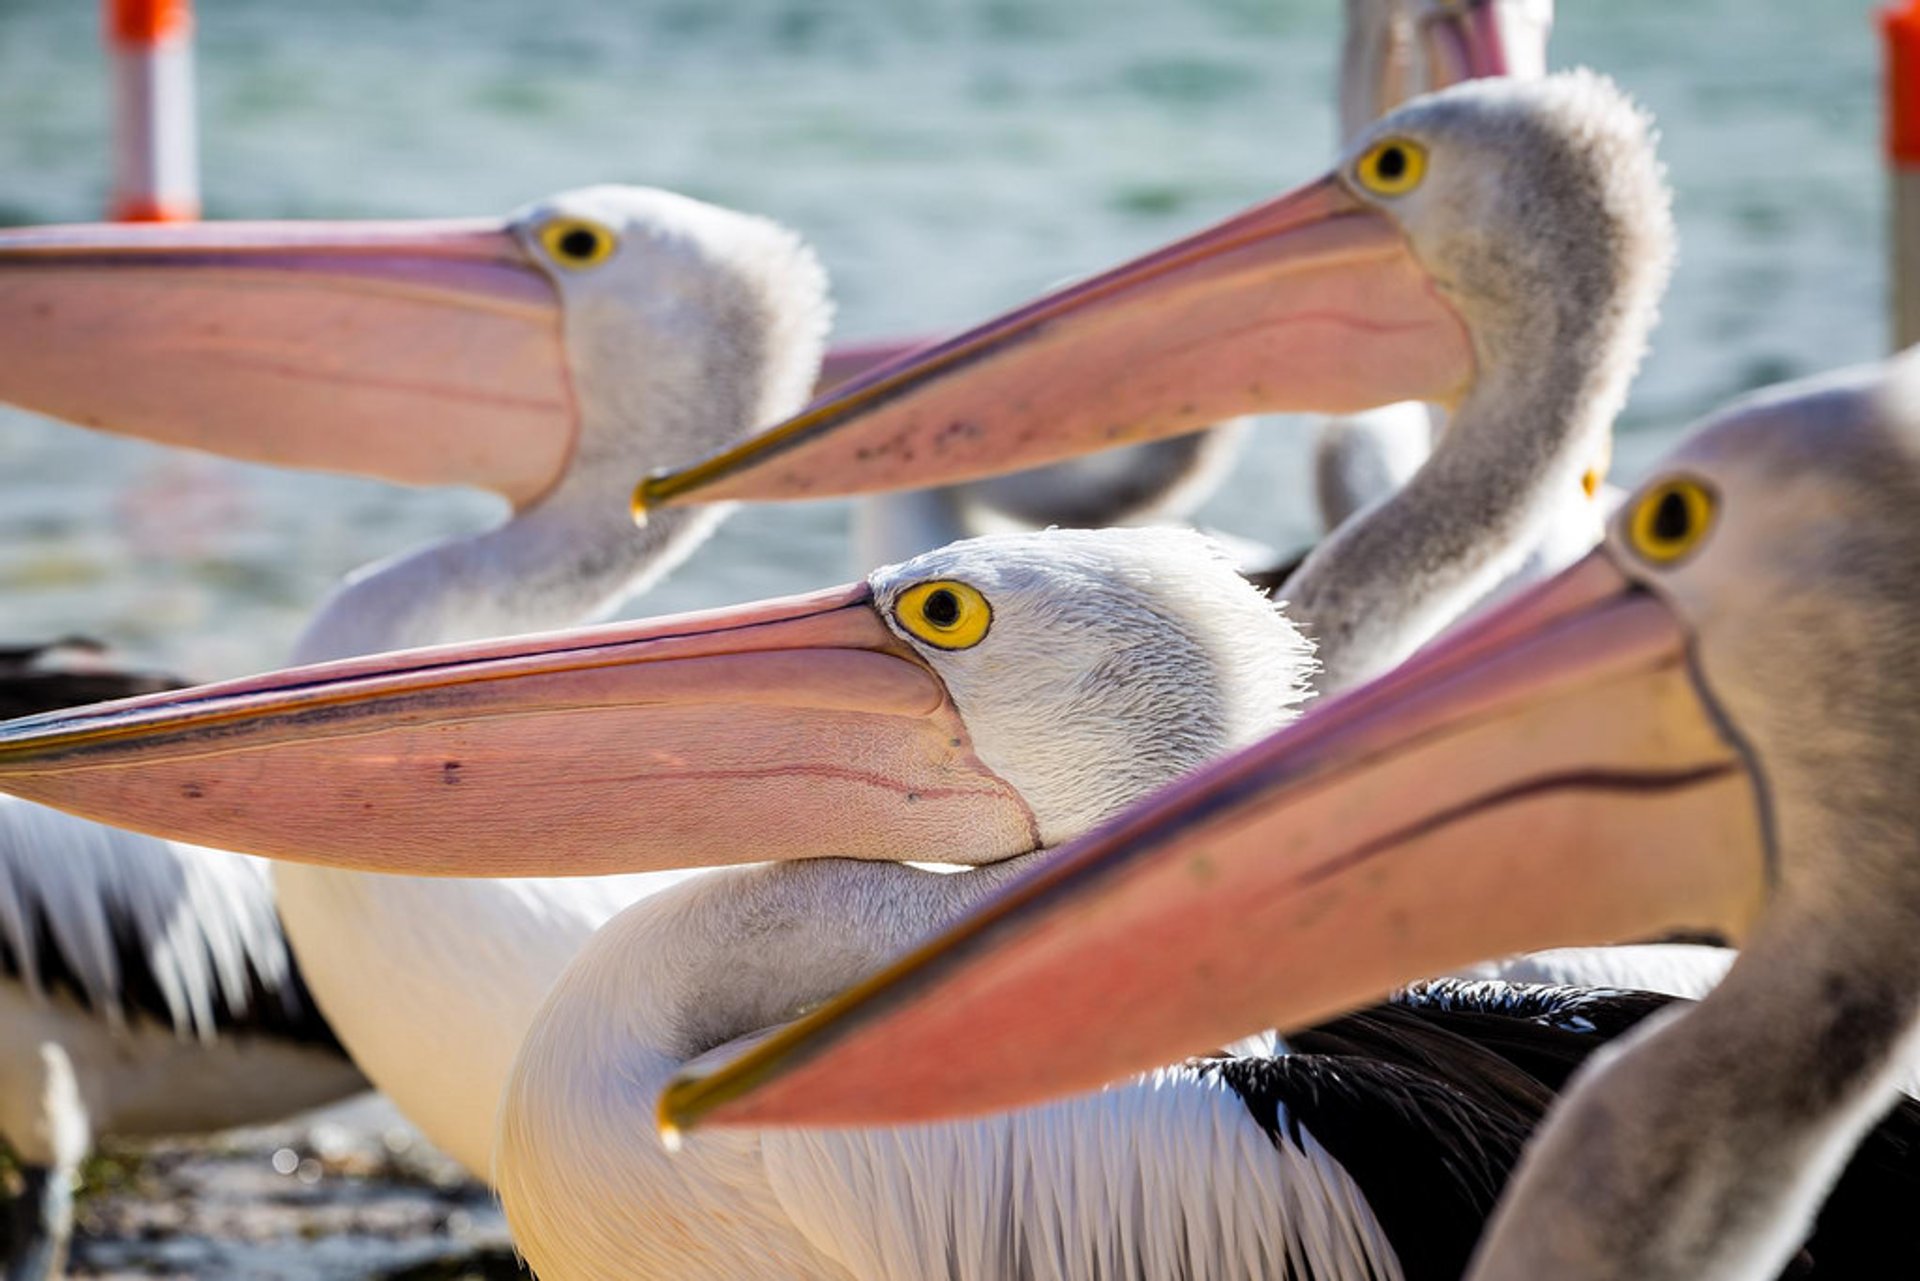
<point x="481" y="352"/>
<point x="907" y="716"/>
<point x="544" y="357"/>
<point x="1498" y="245"/>
<point x="1113" y="659"/>
<point x="663" y="297"/>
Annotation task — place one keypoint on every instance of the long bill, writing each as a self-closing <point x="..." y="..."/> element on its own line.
<point x="1311" y="302"/>
<point x="1555" y="775"/>
<point x="795" y="728"/>
<point x="425" y="353"/>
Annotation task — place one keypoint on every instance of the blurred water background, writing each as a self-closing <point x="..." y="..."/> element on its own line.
<point x="947" y="157"/>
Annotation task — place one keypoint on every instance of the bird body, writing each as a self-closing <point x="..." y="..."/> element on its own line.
<point x="146" y="988"/>
<point x="1160" y="482"/>
<point x="156" y="980"/>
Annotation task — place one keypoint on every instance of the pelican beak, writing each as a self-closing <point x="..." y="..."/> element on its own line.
<point x="427" y="353"/>
<point x="787" y="729"/>
<point x="1311" y="302"/>
<point x="1468" y="39"/>
<point x="1555" y="774"/>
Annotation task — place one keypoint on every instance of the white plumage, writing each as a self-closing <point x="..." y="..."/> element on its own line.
<point x="148" y="990"/>
<point x="92" y="902"/>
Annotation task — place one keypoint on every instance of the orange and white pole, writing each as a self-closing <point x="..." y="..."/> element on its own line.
<point x="1900" y="27"/>
<point x="156" y="162"/>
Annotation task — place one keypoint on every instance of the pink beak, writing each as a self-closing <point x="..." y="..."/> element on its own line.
<point x="424" y="353"/>
<point x="1554" y="775"/>
<point x="795" y="728"/>
<point x="1313" y="301"/>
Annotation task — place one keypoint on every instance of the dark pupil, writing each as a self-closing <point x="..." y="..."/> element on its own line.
<point x="580" y="243"/>
<point x="1672" y="519"/>
<point x="942" y="608"/>
<point x="1392" y="163"/>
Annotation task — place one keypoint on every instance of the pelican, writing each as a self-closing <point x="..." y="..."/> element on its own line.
<point x="1627" y="748"/>
<point x="1391" y="50"/>
<point x="543" y="357"/>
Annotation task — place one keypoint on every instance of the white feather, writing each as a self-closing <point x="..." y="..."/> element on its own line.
<point x="201" y="921"/>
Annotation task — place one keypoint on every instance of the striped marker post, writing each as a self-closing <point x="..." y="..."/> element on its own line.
<point x="1900" y="28"/>
<point x="156" y="162"/>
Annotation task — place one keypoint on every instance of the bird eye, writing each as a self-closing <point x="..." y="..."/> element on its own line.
<point x="577" y="243"/>
<point x="944" y="613"/>
<point x="1670" y="519"/>
<point x="1392" y="167"/>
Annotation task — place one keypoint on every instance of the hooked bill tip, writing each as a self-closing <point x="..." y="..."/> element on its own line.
<point x="658" y="489"/>
<point x="642" y="500"/>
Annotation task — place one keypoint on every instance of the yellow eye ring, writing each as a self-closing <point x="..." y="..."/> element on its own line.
<point x="945" y="614"/>
<point x="1670" y="519"/>
<point x="577" y="243"/>
<point x="1392" y="166"/>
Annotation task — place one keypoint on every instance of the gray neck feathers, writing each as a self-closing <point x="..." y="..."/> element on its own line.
<point x="1387" y="581"/>
<point x="1557" y="265"/>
